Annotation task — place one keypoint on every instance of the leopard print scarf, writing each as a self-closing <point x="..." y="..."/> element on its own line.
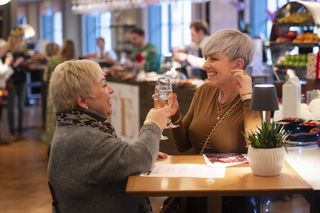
<point x="84" y="117"/>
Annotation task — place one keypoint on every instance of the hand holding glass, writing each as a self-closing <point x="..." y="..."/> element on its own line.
<point x="163" y="90"/>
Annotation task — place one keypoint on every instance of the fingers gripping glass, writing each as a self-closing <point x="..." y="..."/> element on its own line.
<point x="163" y="90"/>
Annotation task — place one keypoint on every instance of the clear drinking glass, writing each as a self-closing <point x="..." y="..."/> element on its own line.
<point x="158" y="103"/>
<point x="163" y="90"/>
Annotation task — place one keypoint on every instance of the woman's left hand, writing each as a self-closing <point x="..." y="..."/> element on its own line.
<point x="162" y="155"/>
<point x="243" y="81"/>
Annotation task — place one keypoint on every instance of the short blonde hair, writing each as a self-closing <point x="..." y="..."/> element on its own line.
<point x="233" y="43"/>
<point x="72" y="79"/>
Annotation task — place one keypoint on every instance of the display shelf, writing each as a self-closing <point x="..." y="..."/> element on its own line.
<point x="122" y="23"/>
<point x="304" y="18"/>
<point x="295" y="24"/>
<point x="302" y="45"/>
<point x="297" y="68"/>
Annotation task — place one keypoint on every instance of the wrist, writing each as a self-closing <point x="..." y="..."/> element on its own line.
<point x="149" y="121"/>
<point x="246" y="96"/>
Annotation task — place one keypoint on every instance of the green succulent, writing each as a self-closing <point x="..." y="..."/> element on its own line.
<point x="269" y="135"/>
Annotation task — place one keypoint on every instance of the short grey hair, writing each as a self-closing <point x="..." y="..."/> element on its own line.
<point x="3" y="44"/>
<point x="72" y="79"/>
<point x="233" y="43"/>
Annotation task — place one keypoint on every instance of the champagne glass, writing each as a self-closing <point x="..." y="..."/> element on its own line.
<point x="163" y="90"/>
<point x="158" y="103"/>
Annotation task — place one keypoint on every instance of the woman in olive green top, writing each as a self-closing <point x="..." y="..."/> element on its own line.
<point x="66" y="53"/>
<point x="223" y="102"/>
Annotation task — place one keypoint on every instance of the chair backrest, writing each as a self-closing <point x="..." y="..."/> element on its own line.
<point x="54" y="199"/>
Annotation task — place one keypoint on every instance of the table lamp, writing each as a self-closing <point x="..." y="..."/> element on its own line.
<point x="264" y="98"/>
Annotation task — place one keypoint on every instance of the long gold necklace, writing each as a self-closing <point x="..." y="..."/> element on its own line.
<point x="219" y="110"/>
<point x="226" y="114"/>
<point x="220" y="107"/>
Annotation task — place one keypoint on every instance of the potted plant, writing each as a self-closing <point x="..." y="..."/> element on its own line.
<point x="266" y="149"/>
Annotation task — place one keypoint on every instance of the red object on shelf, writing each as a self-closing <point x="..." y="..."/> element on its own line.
<point x="291" y="35"/>
<point x="139" y="58"/>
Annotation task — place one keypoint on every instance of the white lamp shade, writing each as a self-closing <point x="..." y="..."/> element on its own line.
<point x="3" y="2"/>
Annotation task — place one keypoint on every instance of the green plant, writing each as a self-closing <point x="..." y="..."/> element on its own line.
<point x="269" y="135"/>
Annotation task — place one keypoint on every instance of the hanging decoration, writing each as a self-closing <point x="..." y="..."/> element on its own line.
<point x="89" y="6"/>
<point x="237" y="4"/>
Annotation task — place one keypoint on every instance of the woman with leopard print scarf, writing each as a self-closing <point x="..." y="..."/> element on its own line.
<point x="89" y="164"/>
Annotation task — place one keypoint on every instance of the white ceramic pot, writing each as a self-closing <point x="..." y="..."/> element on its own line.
<point x="266" y="162"/>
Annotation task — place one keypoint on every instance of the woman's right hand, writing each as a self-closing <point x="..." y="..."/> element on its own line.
<point x="158" y="116"/>
<point x="18" y="61"/>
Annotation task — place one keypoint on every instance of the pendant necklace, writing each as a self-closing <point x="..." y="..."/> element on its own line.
<point x="219" y="110"/>
<point x="222" y="106"/>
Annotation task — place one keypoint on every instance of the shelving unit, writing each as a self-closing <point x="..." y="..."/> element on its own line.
<point x="122" y="24"/>
<point x="296" y="18"/>
<point x="288" y="45"/>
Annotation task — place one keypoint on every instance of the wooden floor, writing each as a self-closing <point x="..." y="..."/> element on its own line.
<point x="23" y="169"/>
<point x="23" y="177"/>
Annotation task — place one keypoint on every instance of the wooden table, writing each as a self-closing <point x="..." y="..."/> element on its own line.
<point x="238" y="181"/>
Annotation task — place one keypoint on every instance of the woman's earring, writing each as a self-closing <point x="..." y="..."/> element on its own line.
<point x="86" y="107"/>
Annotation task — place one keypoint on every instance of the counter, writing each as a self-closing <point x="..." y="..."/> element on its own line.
<point x="305" y="161"/>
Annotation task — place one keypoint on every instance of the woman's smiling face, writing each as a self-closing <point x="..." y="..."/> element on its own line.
<point x="100" y="98"/>
<point x="218" y="66"/>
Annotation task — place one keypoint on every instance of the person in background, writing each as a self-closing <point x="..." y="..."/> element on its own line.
<point x="89" y="164"/>
<point x="17" y="83"/>
<point x="144" y="56"/>
<point x="223" y="102"/>
<point x="67" y="52"/>
<point x="5" y="73"/>
<point x="190" y="56"/>
<point x="51" y="50"/>
<point x="101" y="55"/>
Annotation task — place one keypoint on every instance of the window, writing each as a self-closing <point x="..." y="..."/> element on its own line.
<point x="51" y="21"/>
<point x="175" y="30"/>
<point x="22" y="18"/>
<point x="96" y="25"/>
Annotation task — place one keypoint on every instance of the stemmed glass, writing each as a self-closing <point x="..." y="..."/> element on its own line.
<point x="162" y="91"/>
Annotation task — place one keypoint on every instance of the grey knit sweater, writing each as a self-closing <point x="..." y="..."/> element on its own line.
<point x="88" y="169"/>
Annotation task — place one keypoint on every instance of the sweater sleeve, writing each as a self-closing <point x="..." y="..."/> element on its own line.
<point x="5" y="71"/>
<point x="196" y="61"/>
<point x="252" y="119"/>
<point x="115" y="160"/>
<point x="153" y="60"/>
<point x="180" y="133"/>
